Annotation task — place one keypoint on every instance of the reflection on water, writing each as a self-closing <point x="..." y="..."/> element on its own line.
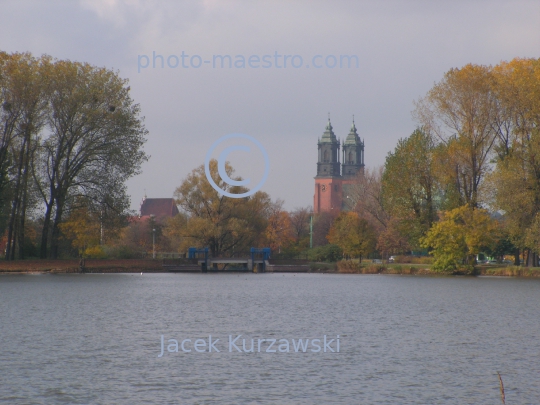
<point x="403" y="340"/>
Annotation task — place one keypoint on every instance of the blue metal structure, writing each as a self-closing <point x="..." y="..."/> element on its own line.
<point x="262" y="253"/>
<point x="194" y="253"/>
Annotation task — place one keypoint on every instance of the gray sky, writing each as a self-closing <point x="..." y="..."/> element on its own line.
<point x="403" y="47"/>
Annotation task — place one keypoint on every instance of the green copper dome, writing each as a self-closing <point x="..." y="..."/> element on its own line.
<point x="329" y="135"/>
<point x="353" y="138"/>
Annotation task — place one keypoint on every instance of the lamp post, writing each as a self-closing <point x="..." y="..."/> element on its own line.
<point x="154" y="243"/>
<point x="311" y="231"/>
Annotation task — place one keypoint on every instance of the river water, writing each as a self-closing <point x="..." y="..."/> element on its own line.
<point x="96" y="339"/>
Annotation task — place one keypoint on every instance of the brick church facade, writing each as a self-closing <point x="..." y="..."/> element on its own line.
<point x="334" y="177"/>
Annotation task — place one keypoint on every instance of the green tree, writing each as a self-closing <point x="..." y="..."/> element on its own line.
<point x="409" y="186"/>
<point x="459" y="236"/>
<point x="95" y="142"/>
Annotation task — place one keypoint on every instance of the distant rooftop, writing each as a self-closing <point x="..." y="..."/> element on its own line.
<point x="158" y="207"/>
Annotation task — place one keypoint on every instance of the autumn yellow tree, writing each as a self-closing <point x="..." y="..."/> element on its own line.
<point x="83" y="229"/>
<point x="279" y="231"/>
<point x="459" y="236"/>
<point x="354" y="235"/>
<point x="223" y="224"/>
<point x="460" y="110"/>
<point x="516" y="179"/>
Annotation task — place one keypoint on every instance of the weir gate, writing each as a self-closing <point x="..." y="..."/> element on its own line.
<point x="257" y="260"/>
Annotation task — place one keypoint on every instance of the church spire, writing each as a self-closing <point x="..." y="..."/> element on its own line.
<point x="353" y="153"/>
<point x="328" y="145"/>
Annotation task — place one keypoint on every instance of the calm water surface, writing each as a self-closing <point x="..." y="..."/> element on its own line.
<point x="95" y="339"/>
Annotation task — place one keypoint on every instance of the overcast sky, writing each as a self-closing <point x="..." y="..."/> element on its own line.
<point x="403" y="48"/>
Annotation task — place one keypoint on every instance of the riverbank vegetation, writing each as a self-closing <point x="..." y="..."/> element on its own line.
<point x="466" y="181"/>
<point x="463" y="186"/>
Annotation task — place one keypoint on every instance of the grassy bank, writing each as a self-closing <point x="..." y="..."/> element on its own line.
<point x="72" y="266"/>
<point x="354" y="267"/>
<point x="509" y="271"/>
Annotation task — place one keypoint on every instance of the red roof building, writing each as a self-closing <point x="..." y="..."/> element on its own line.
<point x="160" y="208"/>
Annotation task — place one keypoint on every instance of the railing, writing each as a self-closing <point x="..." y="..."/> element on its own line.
<point x="233" y="255"/>
<point x="290" y="256"/>
<point x="162" y="255"/>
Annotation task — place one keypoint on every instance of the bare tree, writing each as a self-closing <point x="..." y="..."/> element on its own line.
<point x="300" y="218"/>
<point x="366" y="197"/>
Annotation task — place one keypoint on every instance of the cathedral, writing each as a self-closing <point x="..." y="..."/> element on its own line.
<point x="334" y="177"/>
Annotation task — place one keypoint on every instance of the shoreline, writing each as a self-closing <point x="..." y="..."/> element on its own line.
<point x="119" y="266"/>
<point x="415" y="272"/>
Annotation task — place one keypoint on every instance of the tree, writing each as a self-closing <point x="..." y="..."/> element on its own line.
<point x="95" y="142"/>
<point x="222" y="223"/>
<point x="22" y="86"/>
<point x="353" y="235"/>
<point x="322" y="223"/>
<point x="300" y="218"/>
<point x="459" y="236"/>
<point x="69" y="131"/>
<point x="409" y="187"/>
<point x="460" y="110"/>
<point x="391" y="240"/>
<point x="516" y="179"/>
<point x="279" y="231"/>
<point x="174" y="231"/>
<point x="83" y="229"/>
<point x="365" y="196"/>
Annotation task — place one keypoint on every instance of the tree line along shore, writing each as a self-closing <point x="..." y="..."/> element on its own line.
<point x="465" y="183"/>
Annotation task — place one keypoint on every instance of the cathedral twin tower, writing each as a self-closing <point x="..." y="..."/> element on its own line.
<point x="333" y="178"/>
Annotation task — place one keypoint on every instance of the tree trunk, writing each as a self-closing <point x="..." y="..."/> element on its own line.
<point x="529" y="260"/>
<point x="24" y="199"/>
<point x="45" y="231"/>
<point x="56" y="229"/>
<point x="15" y="208"/>
<point x="516" y="257"/>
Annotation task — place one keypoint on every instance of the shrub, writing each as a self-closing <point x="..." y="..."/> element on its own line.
<point x="121" y="252"/>
<point x="95" y="252"/>
<point x="403" y="259"/>
<point x="349" y="266"/>
<point x="327" y="253"/>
